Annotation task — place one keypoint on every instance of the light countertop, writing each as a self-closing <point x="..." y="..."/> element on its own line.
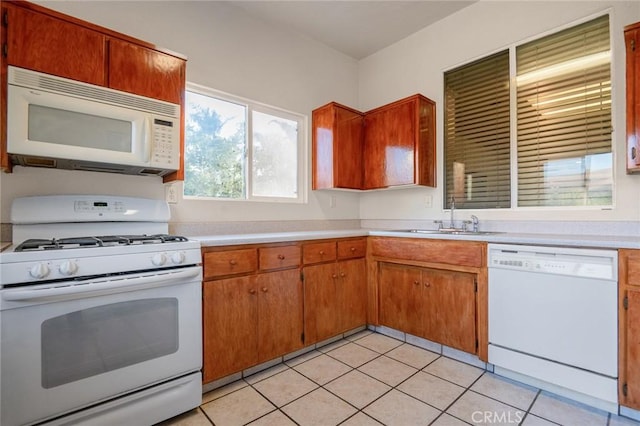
<point x="591" y="241"/>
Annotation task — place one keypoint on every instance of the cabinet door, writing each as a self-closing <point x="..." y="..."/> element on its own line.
<point x="390" y="139"/>
<point x="348" y="149"/>
<point x="280" y="313"/>
<point x="145" y="72"/>
<point x="320" y="303"/>
<point x="632" y="42"/>
<point x="400" y="297"/>
<point x="632" y="353"/>
<point x="352" y="278"/>
<point x="337" y="137"/>
<point x="450" y="308"/>
<point x="229" y="326"/>
<point x="47" y="44"/>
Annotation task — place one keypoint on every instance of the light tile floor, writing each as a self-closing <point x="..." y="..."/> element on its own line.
<point x="372" y="379"/>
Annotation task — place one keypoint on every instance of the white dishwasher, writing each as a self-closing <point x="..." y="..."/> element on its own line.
<point x="553" y="319"/>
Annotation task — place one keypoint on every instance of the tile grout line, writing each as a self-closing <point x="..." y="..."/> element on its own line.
<point x="284" y="367"/>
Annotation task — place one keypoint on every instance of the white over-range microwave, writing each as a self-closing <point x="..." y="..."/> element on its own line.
<point x="61" y="123"/>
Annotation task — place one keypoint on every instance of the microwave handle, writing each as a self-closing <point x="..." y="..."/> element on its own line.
<point x="146" y="140"/>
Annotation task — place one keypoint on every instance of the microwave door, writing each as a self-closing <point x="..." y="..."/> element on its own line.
<point x="52" y="125"/>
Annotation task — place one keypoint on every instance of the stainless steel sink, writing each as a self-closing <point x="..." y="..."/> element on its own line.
<point x="447" y="231"/>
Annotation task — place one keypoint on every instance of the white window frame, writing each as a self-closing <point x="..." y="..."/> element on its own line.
<point x="301" y="119"/>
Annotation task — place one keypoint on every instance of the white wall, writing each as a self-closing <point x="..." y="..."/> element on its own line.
<point x="416" y="65"/>
<point x="226" y="50"/>
<point x="232" y="52"/>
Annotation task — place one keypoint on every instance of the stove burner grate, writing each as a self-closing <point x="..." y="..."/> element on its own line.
<point x="101" y="241"/>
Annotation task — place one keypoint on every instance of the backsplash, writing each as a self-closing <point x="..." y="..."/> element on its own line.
<point x="628" y="228"/>
<point x="253" y="227"/>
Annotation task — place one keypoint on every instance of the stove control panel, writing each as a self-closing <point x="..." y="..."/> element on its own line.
<point x="31" y="267"/>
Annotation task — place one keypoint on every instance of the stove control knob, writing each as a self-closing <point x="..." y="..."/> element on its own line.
<point x="177" y="257"/>
<point x="159" y="259"/>
<point x="68" y="267"/>
<point x="39" y="270"/>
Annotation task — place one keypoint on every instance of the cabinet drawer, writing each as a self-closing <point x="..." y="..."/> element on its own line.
<point x="279" y="257"/>
<point x="459" y="253"/>
<point x="352" y="249"/>
<point x="630" y="267"/>
<point x="220" y="263"/>
<point x="319" y="252"/>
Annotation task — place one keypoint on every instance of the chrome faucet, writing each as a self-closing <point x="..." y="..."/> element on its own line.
<point x="475" y="223"/>
<point x="452" y="225"/>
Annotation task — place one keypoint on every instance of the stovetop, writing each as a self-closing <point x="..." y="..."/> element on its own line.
<point x="72" y="237"/>
<point x="34" y="244"/>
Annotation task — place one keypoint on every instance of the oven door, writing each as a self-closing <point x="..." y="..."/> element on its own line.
<point x="67" y="346"/>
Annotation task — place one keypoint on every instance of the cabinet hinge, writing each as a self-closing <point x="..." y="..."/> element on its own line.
<point x="625" y="302"/>
<point x="5" y="19"/>
<point x="633" y="45"/>
<point x="475" y="285"/>
<point x="477" y="345"/>
<point x="302" y="337"/>
<point x="302" y="276"/>
<point x="5" y="50"/>
<point x="624" y="389"/>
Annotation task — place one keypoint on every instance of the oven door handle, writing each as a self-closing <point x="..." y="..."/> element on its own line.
<point x="103" y="286"/>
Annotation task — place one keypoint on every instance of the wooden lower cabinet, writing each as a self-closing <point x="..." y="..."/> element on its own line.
<point x="438" y="305"/>
<point x="257" y="308"/>
<point x="250" y="319"/>
<point x="230" y="313"/>
<point x="334" y="298"/>
<point x="280" y="313"/>
<point x="629" y="328"/>
<point x="401" y="301"/>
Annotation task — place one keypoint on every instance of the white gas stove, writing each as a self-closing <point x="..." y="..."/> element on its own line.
<point x="100" y="313"/>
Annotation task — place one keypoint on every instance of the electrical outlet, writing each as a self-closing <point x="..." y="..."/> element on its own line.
<point x="428" y="201"/>
<point x="171" y="193"/>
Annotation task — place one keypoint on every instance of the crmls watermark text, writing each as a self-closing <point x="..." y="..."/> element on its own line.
<point x="497" y="417"/>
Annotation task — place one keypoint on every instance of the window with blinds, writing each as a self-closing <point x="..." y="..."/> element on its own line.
<point x="564" y="118"/>
<point x="562" y="90"/>
<point x="477" y="157"/>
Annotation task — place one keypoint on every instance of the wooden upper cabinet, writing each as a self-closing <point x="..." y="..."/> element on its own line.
<point x="337" y="147"/>
<point x="146" y="72"/>
<point x="389" y="146"/>
<point x="47" y="41"/>
<point x="47" y="44"/>
<point x="400" y="144"/>
<point x="632" y="43"/>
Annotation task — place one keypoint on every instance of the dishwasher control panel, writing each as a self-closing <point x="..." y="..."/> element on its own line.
<point x="588" y="263"/>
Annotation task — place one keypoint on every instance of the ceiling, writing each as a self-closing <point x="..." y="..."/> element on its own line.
<point x="355" y="28"/>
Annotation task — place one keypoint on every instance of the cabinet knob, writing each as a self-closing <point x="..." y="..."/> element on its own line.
<point x="334" y="276"/>
<point x="233" y="262"/>
<point x="281" y="256"/>
<point x="342" y="274"/>
<point x="264" y="289"/>
<point x="416" y="282"/>
<point x="252" y="291"/>
<point x="353" y="249"/>
<point x="321" y="252"/>
<point x="427" y="284"/>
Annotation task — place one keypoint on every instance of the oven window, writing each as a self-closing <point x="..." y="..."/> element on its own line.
<point x="93" y="341"/>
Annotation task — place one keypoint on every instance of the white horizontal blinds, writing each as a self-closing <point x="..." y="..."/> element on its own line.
<point x="476" y="113"/>
<point x="564" y="118"/>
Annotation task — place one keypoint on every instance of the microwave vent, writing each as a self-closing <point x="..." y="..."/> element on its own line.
<point x="50" y="83"/>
